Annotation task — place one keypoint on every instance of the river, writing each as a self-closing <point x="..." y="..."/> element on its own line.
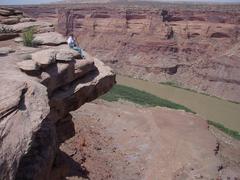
<point x="211" y="108"/>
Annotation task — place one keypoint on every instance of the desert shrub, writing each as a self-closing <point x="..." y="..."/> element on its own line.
<point x="28" y="36"/>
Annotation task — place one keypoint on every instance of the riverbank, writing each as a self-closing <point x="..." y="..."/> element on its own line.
<point x="121" y="92"/>
<point x="175" y="85"/>
<point x="210" y="108"/>
<point x="140" y="97"/>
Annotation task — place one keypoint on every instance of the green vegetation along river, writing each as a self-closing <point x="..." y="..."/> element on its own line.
<point x="210" y="108"/>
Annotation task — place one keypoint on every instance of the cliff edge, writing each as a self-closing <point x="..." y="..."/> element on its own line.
<point x="39" y="87"/>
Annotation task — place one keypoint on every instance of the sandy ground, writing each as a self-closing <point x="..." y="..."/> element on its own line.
<point x="123" y="141"/>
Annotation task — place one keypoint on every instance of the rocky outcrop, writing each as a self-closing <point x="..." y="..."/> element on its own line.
<point x="136" y="39"/>
<point x="5" y="12"/>
<point x="6" y="34"/>
<point x="39" y="26"/>
<point x="36" y="98"/>
<point x="24" y="108"/>
<point x="14" y="22"/>
<point x="50" y="39"/>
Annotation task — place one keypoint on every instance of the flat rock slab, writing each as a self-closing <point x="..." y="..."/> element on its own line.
<point x="10" y="21"/>
<point x="28" y="65"/>
<point x="7" y="36"/>
<point x="67" y="54"/>
<point x="22" y="26"/>
<point x="5" y="51"/>
<point x="50" y="39"/>
<point x="25" y="19"/>
<point x="45" y="57"/>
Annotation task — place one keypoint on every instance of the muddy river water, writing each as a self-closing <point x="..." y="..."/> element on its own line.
<point x="211" y="108"/>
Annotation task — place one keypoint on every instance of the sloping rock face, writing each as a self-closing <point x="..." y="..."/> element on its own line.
<point x="196" y="47"/>
<point x="156" y="143"/>
<point x="24" y="107"/>
<point x="36" y="96"/>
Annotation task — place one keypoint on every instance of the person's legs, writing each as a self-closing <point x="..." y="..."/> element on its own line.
<point x="78" y="49"/>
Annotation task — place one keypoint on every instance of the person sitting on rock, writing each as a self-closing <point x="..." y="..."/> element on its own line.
<point x="74" y="45"/>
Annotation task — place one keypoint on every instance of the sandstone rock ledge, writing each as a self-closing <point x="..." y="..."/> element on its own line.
<point x="36" y="97"/>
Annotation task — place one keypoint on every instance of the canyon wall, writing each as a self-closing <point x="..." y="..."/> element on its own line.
<point x="197" y="49"/>
<point x="192" y="46"/>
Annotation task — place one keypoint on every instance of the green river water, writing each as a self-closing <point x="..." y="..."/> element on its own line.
<point x="210" y="108"/>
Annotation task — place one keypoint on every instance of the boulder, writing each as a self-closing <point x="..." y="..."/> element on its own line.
<point x="67" y="54"/>
<point x="44" y="58"/>
<point x="5" y="51"/>
<point x="50" y="39"/>
<point x="28" y="65"/>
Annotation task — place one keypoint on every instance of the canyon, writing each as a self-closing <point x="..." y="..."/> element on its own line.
<point x="51" y="126"/>
<point x="191" y="46"/>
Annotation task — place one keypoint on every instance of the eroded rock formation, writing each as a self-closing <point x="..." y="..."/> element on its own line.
<point x="36" y="97"/>
<point x="194" y="48"/>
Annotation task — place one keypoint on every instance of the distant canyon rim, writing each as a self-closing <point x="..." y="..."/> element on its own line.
<point x="191" y="46"/>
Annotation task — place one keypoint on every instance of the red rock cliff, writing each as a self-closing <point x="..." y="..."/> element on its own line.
<point x="196" y="47"/>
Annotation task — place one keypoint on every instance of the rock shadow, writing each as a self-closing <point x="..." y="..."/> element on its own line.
<point x="64" y="167"/>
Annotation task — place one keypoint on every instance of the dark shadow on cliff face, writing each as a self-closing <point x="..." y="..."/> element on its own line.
<point x="38" y="160"/>
<point x="64" y="167"/>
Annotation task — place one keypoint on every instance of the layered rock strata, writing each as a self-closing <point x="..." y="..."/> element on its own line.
<point x="196" y="49"/>
<point x="13" y="22"/>
<point x="36" y="97"/>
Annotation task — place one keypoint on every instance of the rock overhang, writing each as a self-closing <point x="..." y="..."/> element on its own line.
<point x="31" y="122"/>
